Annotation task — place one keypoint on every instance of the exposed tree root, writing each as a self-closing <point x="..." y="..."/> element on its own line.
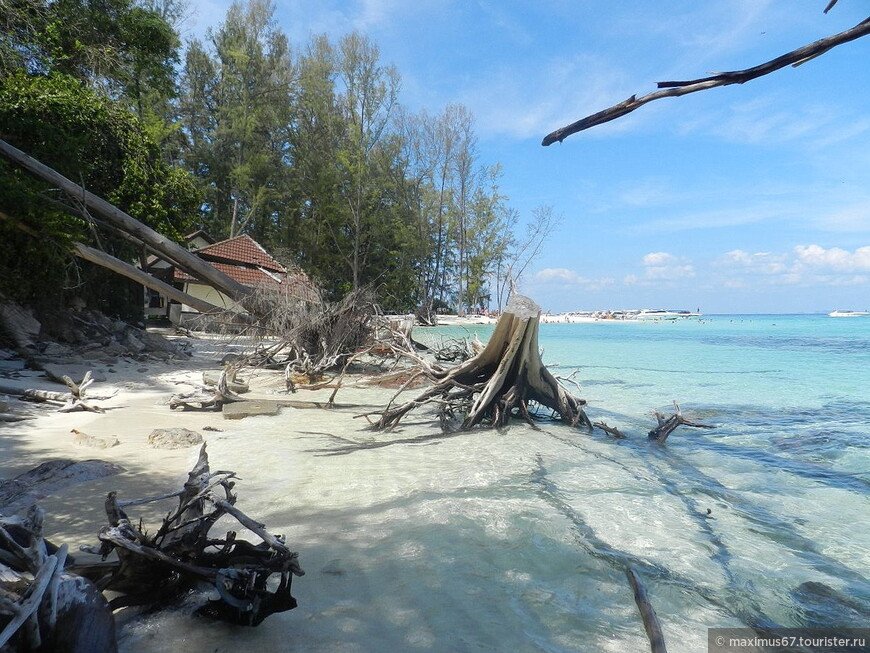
<point x="154" y="569"/>
<point x="498" y="383"/>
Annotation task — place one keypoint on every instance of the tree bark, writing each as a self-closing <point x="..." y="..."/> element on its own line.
<point x="173" y="252"/>
<point x="131" y="272"/>
<point x="500" y="380"/>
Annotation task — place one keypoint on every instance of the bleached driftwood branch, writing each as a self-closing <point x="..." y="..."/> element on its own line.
<point x="667" y="424"/>
<point x="675" y="89"/>
<point x="156" y="568"/>
<point x="647" y="613"/>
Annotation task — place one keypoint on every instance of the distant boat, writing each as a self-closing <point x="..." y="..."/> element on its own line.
<point x="848" y="313"/>
<point x="662" y="314"/>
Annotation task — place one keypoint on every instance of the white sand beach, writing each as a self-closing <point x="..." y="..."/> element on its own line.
<point x="381" y="521"/>
<point x="411" y="540"/>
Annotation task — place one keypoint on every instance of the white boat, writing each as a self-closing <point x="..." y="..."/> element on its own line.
<point x="662" y="314"/>
<point x="848" y="313"/>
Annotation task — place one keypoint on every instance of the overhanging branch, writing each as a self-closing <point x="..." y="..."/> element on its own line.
<point x="675" y="89"/>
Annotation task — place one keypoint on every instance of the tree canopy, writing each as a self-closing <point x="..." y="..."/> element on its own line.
<point x="73" y="77"/>
<point x="305" y="147"/>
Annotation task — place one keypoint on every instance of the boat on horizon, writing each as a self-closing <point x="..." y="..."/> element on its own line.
<point x="848" y="313"/>
<point x="662" y="314"/>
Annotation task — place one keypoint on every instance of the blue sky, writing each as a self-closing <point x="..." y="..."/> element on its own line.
<point x="752" y="198"/>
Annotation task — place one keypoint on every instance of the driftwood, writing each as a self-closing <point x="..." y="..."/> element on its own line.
<point x="208" y="397"/>
<point x="499" y="382"/>
<point x="77" y="393"/>
<point x="674" y="89"/>
<point x="668" y="424"/>
<point x="610" y="430"/>
<point x="41" y="606"/>
<point x="153" y="569"/>
<point x="647" y="613"/>
<point x="66" y="402"/>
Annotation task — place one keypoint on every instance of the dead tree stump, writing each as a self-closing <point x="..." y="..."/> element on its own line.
<point x="500" y="381"/>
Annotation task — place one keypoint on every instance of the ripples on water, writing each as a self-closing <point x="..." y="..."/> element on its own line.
<point x="519" y="540"/>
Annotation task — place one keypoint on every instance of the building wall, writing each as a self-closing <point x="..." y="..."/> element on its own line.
<point x="207" y="294"/>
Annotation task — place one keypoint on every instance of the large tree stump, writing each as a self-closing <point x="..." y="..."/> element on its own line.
<point x="500" y="381"/>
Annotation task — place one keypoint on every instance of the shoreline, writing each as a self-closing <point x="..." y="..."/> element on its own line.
<point x="415" y="540"/>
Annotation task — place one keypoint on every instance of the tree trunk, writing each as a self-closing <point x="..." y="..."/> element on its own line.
<point x="171" y="251"/>
<point x="125" y="269"/>
<point x="500" y="380"/>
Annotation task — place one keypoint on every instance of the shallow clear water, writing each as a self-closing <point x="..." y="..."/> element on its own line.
<point x="519" y="540"/>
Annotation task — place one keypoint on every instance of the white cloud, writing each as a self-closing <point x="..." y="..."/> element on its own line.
<point x="663" y="266"/>
<point x="763" y="263"/>
<point x="659" y="258"/>
<point x="528" y="100"/>
<point x="805" y="266"/>
<point x="670" y="272"/>
<point x="570" y="278"/>
<point x="837" y="259"/>
<point x="563" y="275"/>
<point x="855" y="217"/>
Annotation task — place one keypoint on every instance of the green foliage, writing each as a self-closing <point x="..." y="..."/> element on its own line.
<point x="95" y="143"/>
<point x="307" y="151"/>
<point x="235" y="107"/>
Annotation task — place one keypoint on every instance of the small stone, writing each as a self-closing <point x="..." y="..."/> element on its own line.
<point x="173" y="438"/>
<point x="84" y="440"/>
<point x="242" y="409"/>
<point x="56" y="349"/>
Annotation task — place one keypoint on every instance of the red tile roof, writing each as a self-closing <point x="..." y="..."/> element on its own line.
<point x="248" y="276"/>
<point x="244" y="260"/>
<point x="241" y="249"/>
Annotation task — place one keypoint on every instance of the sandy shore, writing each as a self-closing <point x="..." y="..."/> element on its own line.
<point x="136" y="408"/>
<point x="75" y="514"/>
<point x="411" y="540"/>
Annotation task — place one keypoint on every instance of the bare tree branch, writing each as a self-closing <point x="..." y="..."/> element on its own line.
<point x="675" y="89"/>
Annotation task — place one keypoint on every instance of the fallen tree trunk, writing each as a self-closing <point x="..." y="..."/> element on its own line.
<point x="66" y="401"/>
<point x="168" y="249"/>
<point x="131" y="272"/>
<point x="500" y="381"/>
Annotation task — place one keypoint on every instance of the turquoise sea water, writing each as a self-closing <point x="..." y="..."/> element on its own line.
<point x="519" y="540"/>
<point x="786" y="471"/>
